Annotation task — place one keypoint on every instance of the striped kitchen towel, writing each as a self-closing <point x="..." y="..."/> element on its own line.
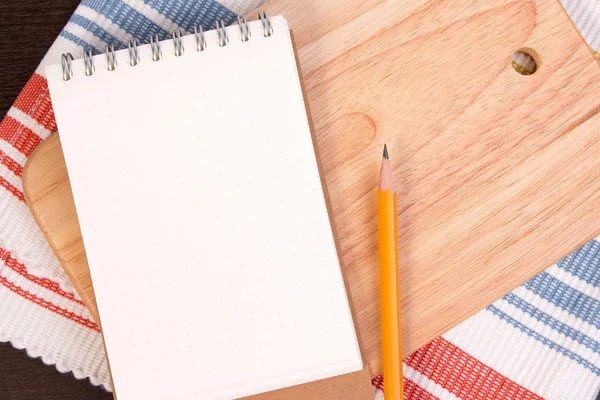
<point x="541" y="341"/>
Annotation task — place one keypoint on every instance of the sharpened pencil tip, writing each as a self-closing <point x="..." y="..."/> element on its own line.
<point x="385" y="153"/>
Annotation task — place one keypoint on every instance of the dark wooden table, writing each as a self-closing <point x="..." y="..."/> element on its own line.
<point x="27" y="30"/>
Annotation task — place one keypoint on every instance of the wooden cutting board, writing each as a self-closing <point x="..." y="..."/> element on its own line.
<point x="497" y="173"/>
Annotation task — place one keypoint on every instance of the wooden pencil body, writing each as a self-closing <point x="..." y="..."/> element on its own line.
<point x="390" y="295"/>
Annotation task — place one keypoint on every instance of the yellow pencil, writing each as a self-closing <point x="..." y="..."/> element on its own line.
<point x="391" y="331"/>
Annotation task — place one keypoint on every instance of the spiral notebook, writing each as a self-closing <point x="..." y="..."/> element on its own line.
<point x="203" y="215"/>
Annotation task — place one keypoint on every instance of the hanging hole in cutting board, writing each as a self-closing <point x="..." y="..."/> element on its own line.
<point x="525" y="61"/>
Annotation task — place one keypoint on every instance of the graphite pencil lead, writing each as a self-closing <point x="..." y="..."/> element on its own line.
<point x="385" y="153"/>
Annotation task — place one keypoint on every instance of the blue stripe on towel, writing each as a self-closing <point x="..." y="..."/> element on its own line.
<point x="565" y="297"/>
<point x="189" y="13"/>
<point x="78" y="41"/>
<point x="185" y="14"/>
<point x="584" y="263"/>
<point x="127" y="18"/>
<point x="552" y="322"/>
<point x="544" y="340"/>
<point x="97" y="31"/>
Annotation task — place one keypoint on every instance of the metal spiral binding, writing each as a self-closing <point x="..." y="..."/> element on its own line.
<point x="88" y="61"/>
<point x="244" y="30"/>
<point x="177" y="43"/>
<point x="134" y="56"/>
<point x="222" y="33"/>
<point x="266" y="23"/>
<point x="200" y="41"/>
<point x="111" y="59"/>
<point x="155" y="46"/>
<point x="132" y="46"/>
<point x="65" y="62"/>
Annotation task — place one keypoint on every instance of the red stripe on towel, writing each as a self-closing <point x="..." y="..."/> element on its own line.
<point x="12" y="189"/>
<point x="412" y="391"/>
<point x="48" y="305"/>
<point x="11" y="164"/>
<point x="20" y="269"/>
<point x="463" y="375"/>
<point x="34" y="100"/>
<point x="19" y="136"/>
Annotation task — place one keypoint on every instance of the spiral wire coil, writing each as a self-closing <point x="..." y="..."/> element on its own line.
<point x="134" y="56"/>
<point x="156" y="53"/>
<point x="177" y="43"/>
<point x="200" y="40"/>
<point x="65" y="62"/>
<point x="111" y="59"/>
<point x="88" y="61"/>
<point x="222" y="34"/>
<point x="244" y="29"/>
<point x="155" y="47"/>
<point x="266" y="23"/>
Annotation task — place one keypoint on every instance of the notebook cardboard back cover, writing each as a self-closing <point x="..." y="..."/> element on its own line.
<point x="96" y="164"/>
<point x="353" y="386"/>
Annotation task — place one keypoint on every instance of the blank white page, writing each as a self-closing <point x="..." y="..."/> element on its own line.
<point x="204" y="220"/>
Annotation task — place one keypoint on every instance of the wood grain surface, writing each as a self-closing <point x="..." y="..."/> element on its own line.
<point x="497" y="173"/>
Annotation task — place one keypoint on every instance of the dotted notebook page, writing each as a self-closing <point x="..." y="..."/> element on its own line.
<point x="204" y="221"/>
